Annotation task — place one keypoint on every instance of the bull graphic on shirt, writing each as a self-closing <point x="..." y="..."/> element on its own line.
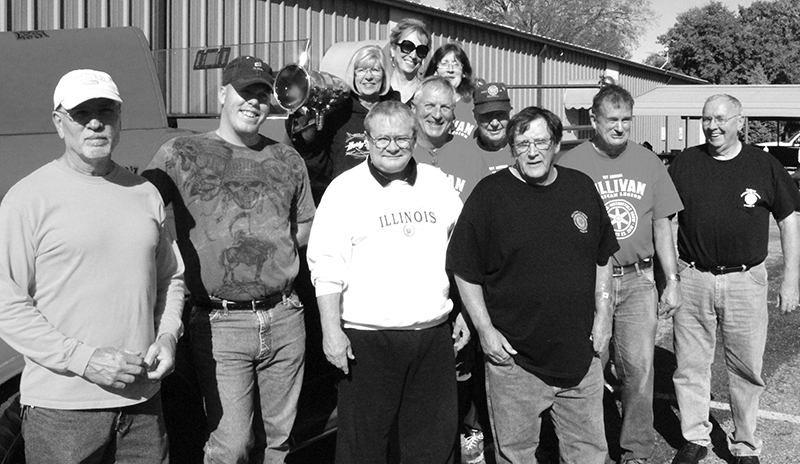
<point x="246" y="251"/>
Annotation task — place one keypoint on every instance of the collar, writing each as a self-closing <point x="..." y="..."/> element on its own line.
<point x="409" y="174"/>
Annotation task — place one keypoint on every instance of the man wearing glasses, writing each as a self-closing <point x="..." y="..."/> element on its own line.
<point x="729" y="190"/>
<point x="91" y="291"/>
<point x="531" y="257"/>
<point x="382" y="291"/>
<point x="438" y="144"/>
<point x="640" y="199"/>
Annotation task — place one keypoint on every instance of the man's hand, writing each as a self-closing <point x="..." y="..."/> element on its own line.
<point x="461" y="333"/>
<point x="336" y="347"/>
<point x="790" y="242"/>
<point x="110" y="367"/>
<point x="671" y="299"/>
<point x="495" y="346"/>
<point x="160" y="357"/>
<point x="304" y="122"/>
<point x="788" y="296"/>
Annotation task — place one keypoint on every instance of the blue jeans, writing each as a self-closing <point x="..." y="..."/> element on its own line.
<point x="737" y="303"/>
<point x="517" y="400"/>
<point x="127" y="435"/>
<point x="635" y="326"/>
<point x="232" y="351"/>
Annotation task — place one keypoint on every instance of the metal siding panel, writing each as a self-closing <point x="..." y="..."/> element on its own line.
<point x="495" y="55"/>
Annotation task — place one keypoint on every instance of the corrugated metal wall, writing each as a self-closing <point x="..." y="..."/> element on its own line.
<point x="27" y="15"/>
<point x="183" y="26"/>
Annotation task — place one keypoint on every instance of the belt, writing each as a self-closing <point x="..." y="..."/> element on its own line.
<point x="637" y="267"/>
<point x="719" y="270"/>
<point x="234" y="305"/>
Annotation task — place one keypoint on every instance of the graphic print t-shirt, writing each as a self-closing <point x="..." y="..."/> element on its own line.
<point x="636" y="190"/>
<point x="241" y="203"/>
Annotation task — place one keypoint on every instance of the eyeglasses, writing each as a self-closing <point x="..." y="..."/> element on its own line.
<point x="408" y="46"/>
<point x="373" y="71"/>
<point x="84" y="117"/>
<point x="449" y="65"/>
<point x="524" y="146"/>
<point x="403" y="142"/>
<point x="718" y="119"/>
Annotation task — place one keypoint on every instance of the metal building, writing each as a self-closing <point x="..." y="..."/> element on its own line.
<point x="279" y="30"/>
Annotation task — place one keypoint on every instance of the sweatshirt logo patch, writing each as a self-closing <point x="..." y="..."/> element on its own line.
<point x="581" y="221"/>
<point x="408" y="230"/>
<point x="750" y="198"/>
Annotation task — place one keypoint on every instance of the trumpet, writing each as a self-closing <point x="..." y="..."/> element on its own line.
<point x="315" y="92"/>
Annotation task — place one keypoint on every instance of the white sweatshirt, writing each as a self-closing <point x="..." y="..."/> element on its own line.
<point x="383" y="248"/>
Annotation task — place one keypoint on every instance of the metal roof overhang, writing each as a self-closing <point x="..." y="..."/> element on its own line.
<point x="758" y="101"/>
<point x="580" y="98"/>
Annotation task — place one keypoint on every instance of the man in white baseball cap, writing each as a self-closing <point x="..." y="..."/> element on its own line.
<point x="91" y="291"/>
<point x="77" y="86"/>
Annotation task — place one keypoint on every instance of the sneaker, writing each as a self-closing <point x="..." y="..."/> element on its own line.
<point x="472" y="447"/>
<point x="747" y="460"/>
<point x="691" y="453"/>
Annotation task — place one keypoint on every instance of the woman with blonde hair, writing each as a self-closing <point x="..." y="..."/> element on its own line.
<point x="409" y="44"/>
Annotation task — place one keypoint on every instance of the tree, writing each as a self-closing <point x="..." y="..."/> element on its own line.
<point x="773" y="45"/>
<point x="657" y="60"/>
<point x="611" y="26"/>
<point x="703" y="43"/>
<point x="759" y="45"/>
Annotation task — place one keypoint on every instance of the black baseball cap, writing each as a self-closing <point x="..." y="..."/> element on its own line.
<point x="247" y="70"/>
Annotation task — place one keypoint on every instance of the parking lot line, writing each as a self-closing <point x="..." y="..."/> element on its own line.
<point x="776" y="416"/>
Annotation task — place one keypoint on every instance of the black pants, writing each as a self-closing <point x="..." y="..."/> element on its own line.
<point x="402" y="376"/>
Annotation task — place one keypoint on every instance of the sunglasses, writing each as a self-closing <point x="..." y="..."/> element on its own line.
<point x="408" y="46"/>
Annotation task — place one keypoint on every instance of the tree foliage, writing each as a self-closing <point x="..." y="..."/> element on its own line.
<point x="611" y="26"/>
<point x="759" y="44"/>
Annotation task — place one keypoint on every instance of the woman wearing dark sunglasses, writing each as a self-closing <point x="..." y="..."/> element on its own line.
<point x="408" y="46"/>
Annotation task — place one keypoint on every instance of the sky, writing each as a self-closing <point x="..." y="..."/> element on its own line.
<point x="666" y="11"/>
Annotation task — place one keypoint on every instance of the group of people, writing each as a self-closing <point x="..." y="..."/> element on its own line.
<point x="437" y="232"/>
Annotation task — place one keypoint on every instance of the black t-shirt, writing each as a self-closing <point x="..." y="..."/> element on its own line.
<point x="535" y="252"/>
<point x="727" y="205"/>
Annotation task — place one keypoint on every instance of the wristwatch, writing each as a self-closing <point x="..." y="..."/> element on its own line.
<point x="675" y="277"/>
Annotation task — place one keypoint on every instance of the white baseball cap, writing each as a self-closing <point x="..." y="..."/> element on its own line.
<point x="77" y="86"/>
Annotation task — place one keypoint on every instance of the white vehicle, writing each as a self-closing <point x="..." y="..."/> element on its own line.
<point x="793" y="142"/>
<point x="788" y="153"/>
